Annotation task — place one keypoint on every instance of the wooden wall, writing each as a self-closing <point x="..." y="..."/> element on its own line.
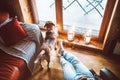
<point x="26" y="10"/>
<point x="20" y="8"/>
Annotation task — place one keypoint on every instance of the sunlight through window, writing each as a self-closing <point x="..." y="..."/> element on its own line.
<point x="84" y="15"/>
<point x="46" y="11"/>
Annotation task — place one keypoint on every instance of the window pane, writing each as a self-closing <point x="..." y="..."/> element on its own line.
<point x="46" y="11"/>
<point x="83" y="15"/>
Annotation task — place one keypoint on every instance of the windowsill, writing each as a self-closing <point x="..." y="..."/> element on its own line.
<point x="79" y="43"/>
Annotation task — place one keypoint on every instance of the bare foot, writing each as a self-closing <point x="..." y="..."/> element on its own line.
<point x="61" y="49"/>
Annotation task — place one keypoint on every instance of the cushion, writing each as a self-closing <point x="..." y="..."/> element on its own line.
<point x="12" y="32"/>
<point x="3" y="16"/>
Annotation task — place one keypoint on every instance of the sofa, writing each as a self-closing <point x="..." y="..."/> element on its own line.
<point x="11" y="67"/>
<point x="19" y="47"/>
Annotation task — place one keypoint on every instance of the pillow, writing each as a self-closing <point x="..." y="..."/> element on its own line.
<point x="12" y="32"/>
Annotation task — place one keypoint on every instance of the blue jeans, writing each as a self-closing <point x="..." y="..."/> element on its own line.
<point x="77" y="69"/>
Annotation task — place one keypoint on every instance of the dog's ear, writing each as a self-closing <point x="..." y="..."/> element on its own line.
<point x="45" y="26"/>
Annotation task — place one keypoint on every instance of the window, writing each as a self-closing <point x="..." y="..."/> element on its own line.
<point x="82" y="14"/>
<point x="46" y="11"/>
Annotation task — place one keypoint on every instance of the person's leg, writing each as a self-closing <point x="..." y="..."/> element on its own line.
<point x="79" y="67"/>
<point x="69" y="73"/>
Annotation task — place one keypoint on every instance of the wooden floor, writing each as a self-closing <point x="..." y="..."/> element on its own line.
<point x="91" y="59"/>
